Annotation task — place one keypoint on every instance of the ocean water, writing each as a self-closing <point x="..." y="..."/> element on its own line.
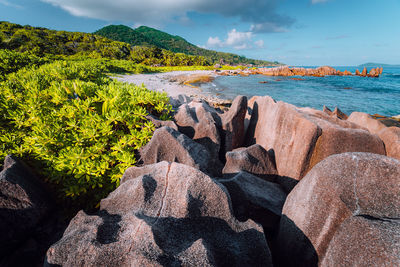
<point x="349" y="93"/>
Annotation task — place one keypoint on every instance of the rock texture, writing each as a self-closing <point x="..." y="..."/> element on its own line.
<point x="365" y="120"/>
<point x="200" y="122"/>
<point x="363" y="241"/>
<point x="23" y="204"/>
<point x="159" y="123"/>
<point x="233" y="124"/>
<point x="330" y="215"/>
<point x="296" y="71"/>
<point x="172" y="216"/>
<point x="170" y="145"/>
<point x="28" y="221"/>
<point x="391" y="137"/>
<point x="336" y="113"/>
<point x="302" y="137"/>
<point x="256" y="199"/>
<point x="254" y="159"/>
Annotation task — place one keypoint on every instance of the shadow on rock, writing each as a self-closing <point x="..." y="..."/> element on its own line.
<point x="175" y="235"/>
<point x="306" y="252"/>
<point x="108" y="231"/>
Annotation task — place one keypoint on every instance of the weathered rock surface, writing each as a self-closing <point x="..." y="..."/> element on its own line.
<point x="172" y="216"/>
<point x="179" y="100"/>
<point x="391" y="138"/>
<point x="302" y="137"/>
<point x="339" y="204"/>
<point x="170" y="145"/>
<point x="200" y="122"/>
<point x="336" y="113"/>
<point x="27" y="222"/>
<point x="363" y="241"/>
<point x="254" y="159"/>
<point x="364" y="72"/>
<point x="256" y="199"/>
<point x="23" y="204"/>
<point x="159" y="123"/>
<point x="233" y="124"/>
<point x="365" y="120"/>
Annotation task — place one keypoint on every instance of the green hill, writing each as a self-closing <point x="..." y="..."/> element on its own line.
<point x="125" y="34"/>
<point x="42" y="41"/>
<point x="146" y="36"/>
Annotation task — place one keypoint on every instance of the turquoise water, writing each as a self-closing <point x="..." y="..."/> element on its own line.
<point x="350" y="93"/>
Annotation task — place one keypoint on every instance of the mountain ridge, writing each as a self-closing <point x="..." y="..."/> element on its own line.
<point x="174" y="43"/>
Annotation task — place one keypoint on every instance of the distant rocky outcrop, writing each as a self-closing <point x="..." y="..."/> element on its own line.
<point x="286" y="71"/>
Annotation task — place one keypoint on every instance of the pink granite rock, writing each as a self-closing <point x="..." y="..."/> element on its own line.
<point x="302" y="137"/>
<point x="174" y="215"/>
<point x="336" y="191"/>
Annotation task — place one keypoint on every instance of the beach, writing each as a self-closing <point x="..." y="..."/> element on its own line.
<point x="168" y="82"/>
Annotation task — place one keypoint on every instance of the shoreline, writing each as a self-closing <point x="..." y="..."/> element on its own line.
<point x="179" y="83"/>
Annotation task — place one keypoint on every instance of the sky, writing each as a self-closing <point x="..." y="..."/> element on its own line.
<point x="295" y="32"/>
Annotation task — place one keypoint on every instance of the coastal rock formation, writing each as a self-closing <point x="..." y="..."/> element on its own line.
<point x="200" y="122"/>
<point x="256" y="199"/>
<point x="345" y="212"/>
<point x="174" y="215"/>
<point x="23" y="204"/>
<point x="365" y="120"/>
<point x="364" y="241"/>
<point x="170" y="145"/>
<point x="254" y="159"/>
<point x="159" y="123"/>
<point x="391" y="137"/>
<point x="25" y="207"/>
<point x="179" y="100"/>
<point x="218" y="132"/>
<point x="336" y="113"/>
<point x="302" y="137"/>
<point x="233" y="124"/>
<point x="287" y="71"/>
<point x="364" y="72"/>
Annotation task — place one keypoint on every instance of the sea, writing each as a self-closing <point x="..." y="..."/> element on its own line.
<point x="348" y="93"/>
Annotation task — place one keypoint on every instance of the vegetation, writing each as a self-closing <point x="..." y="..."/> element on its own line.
<point x="78" y="128"/>
<point x="62" y="114"/>
<point x="146" y="36"/>
<point x="55" y="44"/>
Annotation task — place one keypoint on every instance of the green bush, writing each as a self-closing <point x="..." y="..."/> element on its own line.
<point x="76" y="126"/>
<point x="11" y="61"/>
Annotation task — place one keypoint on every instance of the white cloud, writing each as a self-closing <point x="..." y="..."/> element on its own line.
<point x="238" y="40"/>
<point x="214" y="42"/>
<point x="6" y="3"/>
<point x="235" y="39"/>
<point x="157" y="12"/>
<point x="259" y="44"/>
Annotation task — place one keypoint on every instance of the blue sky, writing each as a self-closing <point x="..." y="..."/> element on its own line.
<point x="301" y="32"/>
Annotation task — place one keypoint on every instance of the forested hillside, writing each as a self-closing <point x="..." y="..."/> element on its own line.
<point x="41" y="42"/>
<point x="146" y="36"/>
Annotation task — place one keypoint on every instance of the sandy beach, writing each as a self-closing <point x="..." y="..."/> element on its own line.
<point x="168" y="82"/>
